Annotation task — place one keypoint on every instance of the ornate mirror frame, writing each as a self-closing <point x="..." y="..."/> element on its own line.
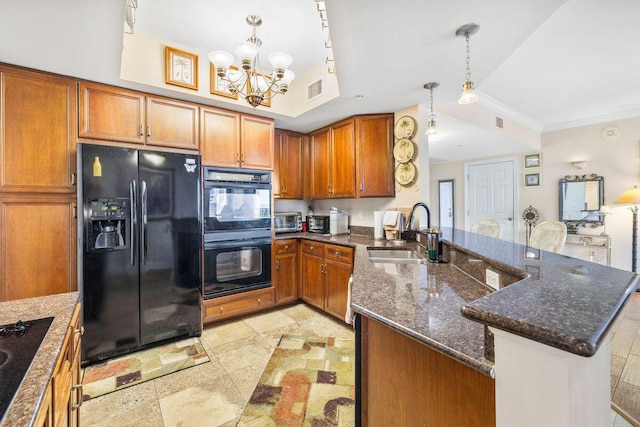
<point x="572" y="223"/>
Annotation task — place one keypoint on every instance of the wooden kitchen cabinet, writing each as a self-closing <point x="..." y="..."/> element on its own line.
<point x="37" y="246"/>
<point x="38" y="134"/>
<point x="230" y="139"/>
<point x="358" y="150"/>
<point x="338" y="269"/>
<point x="287" y="178"/>
<point x="63" y="397"/>
<point x="326" y="270"/>
<point x="237" y="304"/>
<point x="374" y="155"/>
<point x="115" y="114"/>
<point x="332" y="161"/>
<point x="285" y="272"/>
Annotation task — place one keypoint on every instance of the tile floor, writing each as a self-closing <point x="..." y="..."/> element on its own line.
<point x="215" y="393"/>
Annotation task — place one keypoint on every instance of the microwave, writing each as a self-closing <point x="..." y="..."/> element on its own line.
<point x="287" y="222"/>
<point x="318" y="224"/>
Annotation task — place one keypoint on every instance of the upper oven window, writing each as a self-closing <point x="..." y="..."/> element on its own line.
<point x="231" y="207"/>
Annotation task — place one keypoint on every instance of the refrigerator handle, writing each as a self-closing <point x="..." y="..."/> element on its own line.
<point x="144" y="221"/>
<point x="133" y="221"/>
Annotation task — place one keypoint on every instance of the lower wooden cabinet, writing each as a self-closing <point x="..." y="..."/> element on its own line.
<point x="285" y="271"/>
<point x="37" y="246"/>
<point x="326" y="270"/>
<point x="238" y="304"/>
<point x="63" y="398"/>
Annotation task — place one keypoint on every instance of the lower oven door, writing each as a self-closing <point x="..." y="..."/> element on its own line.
<point x="236" y="266"/>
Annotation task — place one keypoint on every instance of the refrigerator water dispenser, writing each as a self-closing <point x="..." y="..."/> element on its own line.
<point x="108" y="222"/>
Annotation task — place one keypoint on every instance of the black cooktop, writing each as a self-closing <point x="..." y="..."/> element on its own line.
<point x="19" y="343"/>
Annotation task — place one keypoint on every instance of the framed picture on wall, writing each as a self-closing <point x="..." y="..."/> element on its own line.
<point x="532" y="161"/>
<point x="221" y="87"/>
<point x="532" y="179"/>
<point x="181" y="68"/>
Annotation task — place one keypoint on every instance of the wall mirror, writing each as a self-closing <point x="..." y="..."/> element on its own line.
<point x="580" y="199"/>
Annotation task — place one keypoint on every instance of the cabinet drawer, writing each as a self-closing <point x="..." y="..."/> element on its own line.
<point x="285" y="247"/>
<point x="235" y="305"/>
<point x="313" y="248"/>
<point x="339" y="253"/>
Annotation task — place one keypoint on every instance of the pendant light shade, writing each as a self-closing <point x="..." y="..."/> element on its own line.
<point x="468" y="95"/>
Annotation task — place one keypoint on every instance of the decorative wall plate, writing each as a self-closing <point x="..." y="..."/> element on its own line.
<point x="405" y="127"/>
<point x="403" y="150"/>
<point x="405" y="173"/>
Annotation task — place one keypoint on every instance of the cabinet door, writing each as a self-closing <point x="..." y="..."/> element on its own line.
<point x="37" y="247"/>
<point x="279" y="165"/>
<point x="313" y="280"/>
<point x="111" y="114"/>
<point x="38" y="134"/>
<point x="320" y="159"/>
<point x="287" y="173"/>
<point x="220" y="133"/>
<point x="256" y="142"/>
<point x="343" y="171"/>
<point x="286" y="278"/>
<point x="337" y="286"/>
<point x="374" y="156"/>
<point x="172" y="123"/>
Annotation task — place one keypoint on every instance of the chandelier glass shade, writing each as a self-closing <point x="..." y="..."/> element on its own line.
<point x="248" y="81"/>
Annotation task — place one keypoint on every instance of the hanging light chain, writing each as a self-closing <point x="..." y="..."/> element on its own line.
<point x="468" y="74"/>
<point x="431" y="115"/>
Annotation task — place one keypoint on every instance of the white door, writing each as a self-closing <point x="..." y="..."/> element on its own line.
<point x="491" y="192"/>
<point x="445" y="203"/>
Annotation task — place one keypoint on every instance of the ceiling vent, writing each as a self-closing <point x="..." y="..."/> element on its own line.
<point x="314" y="90"/>
<point x="499" y="122"/>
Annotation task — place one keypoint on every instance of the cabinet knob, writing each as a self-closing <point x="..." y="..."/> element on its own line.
<point x="80" y="330"/>
<point x="221" y="309"/>
<point x="149" y="130"/>
<point x="337" y="253"/>
<point x="259" y="301"/>
<point x="277" y="264"/>
<point x="141" y="131"/>
<point x="310" y="248"/>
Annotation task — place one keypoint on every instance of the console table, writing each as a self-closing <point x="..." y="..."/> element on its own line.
<point x="595" y="245"/>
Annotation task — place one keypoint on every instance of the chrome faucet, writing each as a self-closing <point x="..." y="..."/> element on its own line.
<point x="413" y="210"/>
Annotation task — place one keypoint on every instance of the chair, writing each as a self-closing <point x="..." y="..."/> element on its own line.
<point x="549" y="236"/>
<point x="487" y="226"/>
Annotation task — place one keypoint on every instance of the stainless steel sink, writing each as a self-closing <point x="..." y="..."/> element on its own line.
<point x="403" y="256"/>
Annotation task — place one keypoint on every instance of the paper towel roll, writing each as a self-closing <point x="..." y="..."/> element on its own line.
<point x="378" y="229"/>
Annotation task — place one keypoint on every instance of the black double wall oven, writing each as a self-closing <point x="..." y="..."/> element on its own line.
<point x="237" y="230"/>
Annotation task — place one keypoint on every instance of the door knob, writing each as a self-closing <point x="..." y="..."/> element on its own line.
<point x="510" y="219"/>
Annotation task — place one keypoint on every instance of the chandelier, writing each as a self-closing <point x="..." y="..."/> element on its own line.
<point x="250" y="82"/>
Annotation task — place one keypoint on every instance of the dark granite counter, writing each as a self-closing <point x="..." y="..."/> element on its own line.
<point x="556" y="300"/>
<point x="23" y="408"/>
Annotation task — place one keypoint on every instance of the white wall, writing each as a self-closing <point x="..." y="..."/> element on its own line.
<point x="617" y="161"/>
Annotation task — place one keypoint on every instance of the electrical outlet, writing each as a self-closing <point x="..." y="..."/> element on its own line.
<point x="492" y="279"/>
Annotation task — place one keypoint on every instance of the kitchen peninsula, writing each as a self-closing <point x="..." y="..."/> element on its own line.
<point x="40" y="400"/>
<point x="426" y="334"/>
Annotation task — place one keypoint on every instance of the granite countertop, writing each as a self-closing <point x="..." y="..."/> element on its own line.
<point x="560" y="301"/>
<point x="422" y="301"/>
<point x="23" y="408"/>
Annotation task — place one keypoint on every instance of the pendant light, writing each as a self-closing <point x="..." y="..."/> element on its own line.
<point x="468" y="95"/>
<point x="431" y="125"/>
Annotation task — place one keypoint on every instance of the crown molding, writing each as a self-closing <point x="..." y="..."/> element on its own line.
<point x="508" y="112"/>
<point x="593" y="120"/>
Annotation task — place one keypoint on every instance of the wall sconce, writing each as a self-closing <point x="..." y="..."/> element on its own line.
<point x="580" y="164"/>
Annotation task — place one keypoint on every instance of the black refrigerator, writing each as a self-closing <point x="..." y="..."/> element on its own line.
<point x="140" y="249"/>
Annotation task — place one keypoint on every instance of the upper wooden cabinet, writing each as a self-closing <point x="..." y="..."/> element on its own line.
<point x="38" y="132"/>
<point x="231" y="139"/>
<point x="332" y="157"/>
<point x="114" y="114"/>
<point x="374" y="155"/>
<point x="287" y="172"/>
<point x="352" y="158"/>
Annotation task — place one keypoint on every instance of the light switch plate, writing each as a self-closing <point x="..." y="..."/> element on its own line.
<point x="492" y="279"/>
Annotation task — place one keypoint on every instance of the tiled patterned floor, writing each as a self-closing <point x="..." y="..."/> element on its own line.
<point x="215" y="393"/>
